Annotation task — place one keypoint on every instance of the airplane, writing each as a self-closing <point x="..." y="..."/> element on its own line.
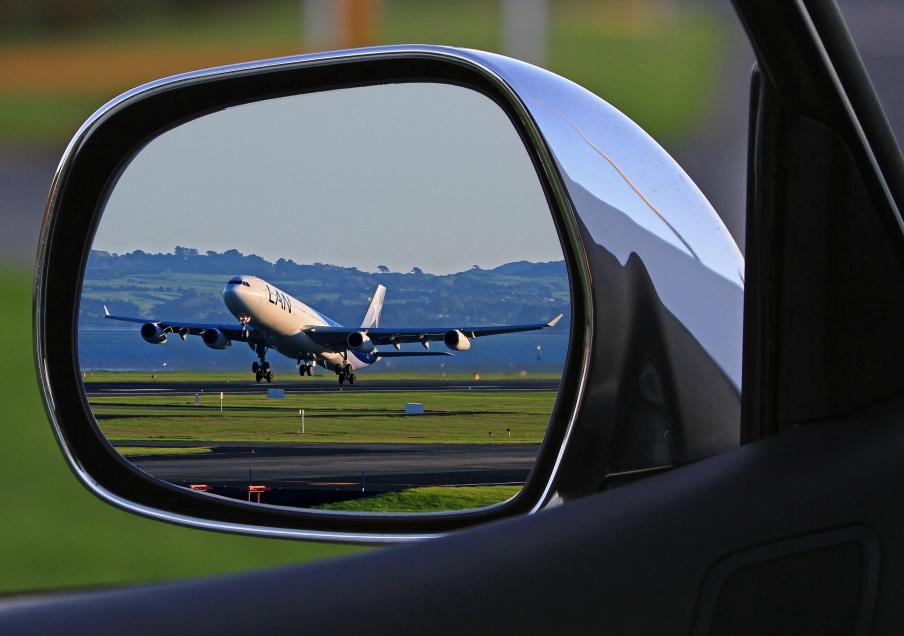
<point x="269" y="318"/>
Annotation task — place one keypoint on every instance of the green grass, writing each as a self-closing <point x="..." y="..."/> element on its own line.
<point x="338" y="417"/>
<point x="428" y="499"/>
<point x="56" y="535"/>
<point x="43" y="119"/>
<point x="145" y="290"/>
<point x="660" y="69"/>
<point x="295" y="381"/>
<point x="134" y="451"/>
<point x="663" y="77"/>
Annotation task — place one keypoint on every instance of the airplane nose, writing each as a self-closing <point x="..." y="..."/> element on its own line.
<point x="241" y="296"/>
<point x="233" y="297"/>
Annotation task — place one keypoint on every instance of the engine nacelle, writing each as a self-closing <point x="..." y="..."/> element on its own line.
<point x="456" y="340"/>
<point x="215" y="339"/>
<point x="359" y="341"/>
<point x="153" y="333"/>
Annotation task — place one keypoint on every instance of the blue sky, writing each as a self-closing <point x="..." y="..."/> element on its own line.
<point x="426" y="175"/>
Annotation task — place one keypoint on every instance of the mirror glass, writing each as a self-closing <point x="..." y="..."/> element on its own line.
<point x="347" y="300"/>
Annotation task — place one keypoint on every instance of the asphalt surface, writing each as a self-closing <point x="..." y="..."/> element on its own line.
<point x="312" y="385"/>
<point x="306" y="474"/>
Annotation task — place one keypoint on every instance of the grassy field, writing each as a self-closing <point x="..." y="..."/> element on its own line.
<point x="245" y="376"/>
<point x="347" y="417"/>
<point x="658" y="66"/>
<point x="145" y="290"/>
<point x="135" y="451"/>
<point x="56" y="535"/>
<point x="428" y="499"/>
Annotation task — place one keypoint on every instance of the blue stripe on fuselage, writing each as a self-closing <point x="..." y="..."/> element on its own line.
<point x="366" y="358"/>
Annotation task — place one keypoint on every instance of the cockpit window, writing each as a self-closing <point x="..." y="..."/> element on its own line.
<point x="238" y="281"/>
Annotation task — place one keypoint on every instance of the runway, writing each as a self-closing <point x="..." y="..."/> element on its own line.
<point x="307" y="474"/>
<point x="313" y="385"/>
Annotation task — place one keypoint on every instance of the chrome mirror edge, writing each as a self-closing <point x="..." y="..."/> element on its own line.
<point x="442" y="53"/>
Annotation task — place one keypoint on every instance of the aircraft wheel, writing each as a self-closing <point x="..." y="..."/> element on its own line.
<point x="265" y="365"/>
<point x="348" y="370"/>
<point x="301" y="370"/>
<point x="310" y="370"/>
<point x="269" y="375"/>
<point x="258" y="375"/>
<point x="352" y="378"/>
<point x="255" y="367"/>
<point x="341" y="378"/>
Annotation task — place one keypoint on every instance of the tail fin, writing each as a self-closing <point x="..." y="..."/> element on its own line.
<point x="372" y="317"/>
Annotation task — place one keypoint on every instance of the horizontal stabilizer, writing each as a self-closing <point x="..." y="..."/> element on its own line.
<point x="409" y="354"/>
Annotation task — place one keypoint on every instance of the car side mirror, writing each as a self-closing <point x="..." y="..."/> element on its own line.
<point x="645" y="374"/>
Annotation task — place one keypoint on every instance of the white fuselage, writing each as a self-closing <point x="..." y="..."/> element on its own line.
<point x="282" y="319"/>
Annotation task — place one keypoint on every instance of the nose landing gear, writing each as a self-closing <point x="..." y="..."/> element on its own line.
<point x="262" y="371"/>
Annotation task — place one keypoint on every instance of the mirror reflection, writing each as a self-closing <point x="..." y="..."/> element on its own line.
<point x="347" y="300"/>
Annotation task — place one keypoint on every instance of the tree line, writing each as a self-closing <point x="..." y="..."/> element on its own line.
<point x="186" y="284"/>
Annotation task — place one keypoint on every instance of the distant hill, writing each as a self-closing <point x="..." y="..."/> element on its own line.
<point x="187" y="285"/>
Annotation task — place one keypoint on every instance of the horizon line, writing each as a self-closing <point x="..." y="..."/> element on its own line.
<point x="208" y="253"/>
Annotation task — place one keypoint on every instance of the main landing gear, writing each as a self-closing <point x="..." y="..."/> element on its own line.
<point x="262" y="371"/>
<point x="346" y="373"/>
<point x="260" y="367"/>
<point x="306" y="365"/>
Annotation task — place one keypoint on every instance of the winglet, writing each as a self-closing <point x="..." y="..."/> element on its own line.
<point x="106" y="312"/>
<point x="554" y="321"/>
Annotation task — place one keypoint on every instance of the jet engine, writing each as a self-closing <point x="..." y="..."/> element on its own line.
<point x="359" y="341"/>
<point x="215" y="339"/>
<point x="153" y="333"/>
<point x="456" y="340"/>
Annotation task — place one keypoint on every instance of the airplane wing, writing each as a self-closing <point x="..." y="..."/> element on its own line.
<point x="409" y="354"/>
<point x="336" y="337"/>
<point x="183" y="329"/>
